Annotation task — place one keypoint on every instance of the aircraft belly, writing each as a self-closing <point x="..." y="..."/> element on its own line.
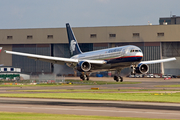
<point x="124" y="60"/>
<point x="118" y="63"/>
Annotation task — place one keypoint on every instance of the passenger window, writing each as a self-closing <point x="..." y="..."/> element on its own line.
<point x="136" y="50"/>
<point x="133" y="50"/>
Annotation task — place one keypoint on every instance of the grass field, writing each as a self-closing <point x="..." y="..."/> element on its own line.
<point x="168" y="86"/>
<point x="67" y="82"/>
<point x="91" y="90"/>
<point x="40" y="116"/>
<point x="146" y="97"/>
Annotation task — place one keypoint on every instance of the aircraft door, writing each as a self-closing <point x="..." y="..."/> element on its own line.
<point x="120" y="53"/>
<point x="123" y="52"/>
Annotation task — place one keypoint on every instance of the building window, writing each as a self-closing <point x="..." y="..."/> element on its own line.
<point x="135" y="34"/>
<point x="112" y="35"/>
<point x="50" y="36"/>
<point x="5" y="69"/>
<point x="29" y="37"/>
<point x="9" y="37"/>
<point x="160" y="34"/>
<point x="93" y="36"/>
<point x="12" y="69"/>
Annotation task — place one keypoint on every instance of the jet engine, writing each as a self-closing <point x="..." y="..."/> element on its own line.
<point x="142" y="69"/>
<point x="83" y="66"/>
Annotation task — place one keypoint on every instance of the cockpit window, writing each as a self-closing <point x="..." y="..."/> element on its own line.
<point x="135" y="51"/>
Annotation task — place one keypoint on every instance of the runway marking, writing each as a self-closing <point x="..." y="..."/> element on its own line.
<point x="70" y="109"/>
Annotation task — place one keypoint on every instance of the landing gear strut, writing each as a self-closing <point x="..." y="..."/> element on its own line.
<point x="133" y="70"/>
<point x="117" y="77"/>
<point x="84" y="76"/>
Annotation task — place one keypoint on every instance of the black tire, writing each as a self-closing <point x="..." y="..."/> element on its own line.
<point x="117" y="80"/>
<point x="121" y="79"/>
<point x="87" y="77"/>
<point x="82" y="77"/>
<point x="115" y="77"/>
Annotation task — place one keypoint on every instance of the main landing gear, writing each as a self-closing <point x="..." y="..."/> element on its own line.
<point x="84" y="76"/>
<point x="117" y="77"/>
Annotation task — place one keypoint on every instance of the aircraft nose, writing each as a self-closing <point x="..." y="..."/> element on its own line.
<point x="139" y="54"/>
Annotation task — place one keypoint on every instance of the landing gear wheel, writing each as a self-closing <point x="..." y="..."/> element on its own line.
<point x="121" y="79"/>
<point x="87" y="77"/>
<point x="82" y="77"/>
<point x="118" y="78"/>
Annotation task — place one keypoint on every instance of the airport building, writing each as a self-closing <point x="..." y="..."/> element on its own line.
<point x="169" y="20"/>
<point x="156" y="42"/>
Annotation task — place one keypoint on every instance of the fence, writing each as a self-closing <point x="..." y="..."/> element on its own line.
<point x="14" y="79"/>
<point x="50" y="78"/>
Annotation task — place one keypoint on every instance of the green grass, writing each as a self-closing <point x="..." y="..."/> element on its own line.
<point x="72" y="82"/>
<point x="89" y="90"/>
<point x="99" y="82"/>
<point x="168" y="86"/>
<point x="43" y="116"/>
<point x="145" y="97"/>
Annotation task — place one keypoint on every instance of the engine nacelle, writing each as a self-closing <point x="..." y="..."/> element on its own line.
<point x="142" y="68"/>
<point x="83" y="66"/>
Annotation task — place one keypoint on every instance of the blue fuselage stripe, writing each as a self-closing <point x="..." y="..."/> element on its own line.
<point x="124" y="59"/>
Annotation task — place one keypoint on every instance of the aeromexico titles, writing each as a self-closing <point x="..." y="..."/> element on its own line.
<point x="111" y="59"/>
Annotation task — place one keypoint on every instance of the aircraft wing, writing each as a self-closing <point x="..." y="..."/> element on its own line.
<point x="55" y="60"/>
<point x="158" y="61"/>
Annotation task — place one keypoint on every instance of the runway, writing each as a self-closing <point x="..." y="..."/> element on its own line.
<point x="92" y="107"/>
<point x="95" y="107"/>
<point x="145" y="83"/>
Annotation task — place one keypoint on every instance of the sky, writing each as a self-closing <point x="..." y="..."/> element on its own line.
<point x="15" y="14"/>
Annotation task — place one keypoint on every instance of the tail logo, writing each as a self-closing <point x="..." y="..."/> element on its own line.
<point x="72" y="47"/>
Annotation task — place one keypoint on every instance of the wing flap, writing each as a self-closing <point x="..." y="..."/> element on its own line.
<point x="158" y="61"/>
<point x="48" y="60"/>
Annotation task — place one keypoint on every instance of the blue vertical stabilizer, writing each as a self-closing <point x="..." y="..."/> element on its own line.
<point x="73" y="45"/>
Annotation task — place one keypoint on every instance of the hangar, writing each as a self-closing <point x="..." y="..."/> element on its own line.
<point x="156" y="42"/>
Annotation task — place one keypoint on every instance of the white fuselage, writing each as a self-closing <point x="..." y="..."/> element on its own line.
<point x="116" y="58"/>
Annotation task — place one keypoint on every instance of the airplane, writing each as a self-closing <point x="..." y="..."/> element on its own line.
<point x="111" y="59"/>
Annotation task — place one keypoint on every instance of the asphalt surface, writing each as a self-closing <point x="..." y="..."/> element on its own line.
<point x="92" y="107"/>
<point x="96" y="107"/>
